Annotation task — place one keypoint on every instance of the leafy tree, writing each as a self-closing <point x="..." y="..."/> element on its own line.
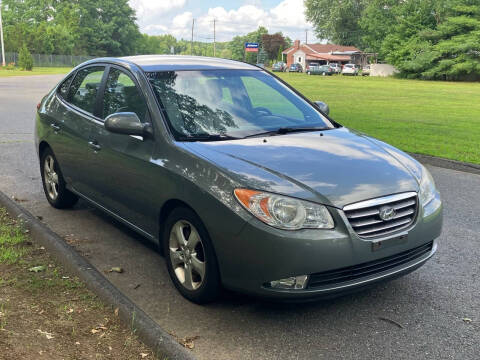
<point x="337" y="21"/>
<point x="25" y="59"/>
<point x="273" y="44"/>
<point x="451" y="51"/>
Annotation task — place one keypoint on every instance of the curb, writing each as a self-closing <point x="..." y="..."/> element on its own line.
<point x="447" y="163"/>
<point x="152" y="335"/>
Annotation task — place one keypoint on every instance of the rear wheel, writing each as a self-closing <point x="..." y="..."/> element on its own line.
<point x="190" y="258"/>
<point x="53" y="182"/>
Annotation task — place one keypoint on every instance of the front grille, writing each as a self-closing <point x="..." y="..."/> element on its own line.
<point x="364" y="217"/>
<point x="369" y="268"/>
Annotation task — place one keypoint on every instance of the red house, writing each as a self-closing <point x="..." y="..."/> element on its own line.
<point x="321" y="54"/>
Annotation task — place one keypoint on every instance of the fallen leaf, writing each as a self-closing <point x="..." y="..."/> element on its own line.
<point x="110" y="348"/>
<point x="116" y="269"/>
<point x="94" y="331"/>
<point x="37" y="268"/>
<point x="70" y="311"/>
<point x="47" y="334"/>
<point x="143" y="355"/>
<point x="77" y="343"/>
<point x="116" y="311"/>
<point x="188" y="342"/>
<point x="467" y="320"/>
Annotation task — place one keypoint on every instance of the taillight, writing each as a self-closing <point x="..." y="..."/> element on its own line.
<point x="38" y="105"/>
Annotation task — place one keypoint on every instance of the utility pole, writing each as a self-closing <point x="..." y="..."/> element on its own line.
<point x="306" y="36"/>
<point x="214" y="44"/>
<point x="1" y="37"/>
<point x="191" y="42"/>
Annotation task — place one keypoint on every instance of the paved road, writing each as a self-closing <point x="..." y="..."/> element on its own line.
<point x="429" y="304"/>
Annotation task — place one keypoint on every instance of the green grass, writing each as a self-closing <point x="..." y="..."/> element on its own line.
<point x="35" y="71"/>
<point x="12" y="237"/>
<point x="426" y="117"/>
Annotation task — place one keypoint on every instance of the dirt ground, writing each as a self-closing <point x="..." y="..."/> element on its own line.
<point x="47" y="314"/>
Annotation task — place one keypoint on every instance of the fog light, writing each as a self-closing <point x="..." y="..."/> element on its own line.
<point x="294" y="282"/>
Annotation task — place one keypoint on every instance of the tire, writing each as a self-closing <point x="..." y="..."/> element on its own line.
<point x="53" y="182"/>
<point x="187" y="257"/>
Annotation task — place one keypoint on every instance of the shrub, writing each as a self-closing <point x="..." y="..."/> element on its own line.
<point x="25" y="59"/>
<point x="10" y="66"/>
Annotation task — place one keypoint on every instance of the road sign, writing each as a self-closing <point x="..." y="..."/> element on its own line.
<point x="251" y="47"/>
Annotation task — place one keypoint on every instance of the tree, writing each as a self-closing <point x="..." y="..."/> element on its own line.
<point x="25" y="59"/>
<point x="273" y="44"/>
<point x="337" y="21"/>
<point x="451" y="51"/>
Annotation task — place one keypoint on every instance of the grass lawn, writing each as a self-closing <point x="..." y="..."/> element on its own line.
<point x="35" y="71"/>
<point x="47" y="314"/>
<point x="426" y="117"/>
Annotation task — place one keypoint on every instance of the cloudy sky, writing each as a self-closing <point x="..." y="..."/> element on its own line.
<point x="233" y="17"/>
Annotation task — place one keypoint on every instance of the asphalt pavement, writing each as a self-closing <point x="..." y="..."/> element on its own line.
<point x="420" y="316"/>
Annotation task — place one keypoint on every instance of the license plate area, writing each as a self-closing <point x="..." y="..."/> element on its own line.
<point x="387" y="243"/>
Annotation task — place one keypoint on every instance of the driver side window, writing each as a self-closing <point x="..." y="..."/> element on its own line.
<point x="263" y="96"/>
<point x="122" y="95"/>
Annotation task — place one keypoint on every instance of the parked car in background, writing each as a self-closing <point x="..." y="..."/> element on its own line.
<point x="261" y="65"/>
<point x="279" y="66"/>
<point x="320" y="70"/>
<point x="295" y="68"/>
<point x="350" y="69"/>
<point x="336" y="68"/>
<point x="239" y="179"/>
<point x="366" y="70"/>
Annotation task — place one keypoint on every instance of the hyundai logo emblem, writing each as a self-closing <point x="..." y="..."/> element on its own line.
<point x="387" y="213"/>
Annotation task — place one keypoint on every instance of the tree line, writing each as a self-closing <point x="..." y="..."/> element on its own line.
<point x="429" y="39"/>
<point x="109" y="28"/>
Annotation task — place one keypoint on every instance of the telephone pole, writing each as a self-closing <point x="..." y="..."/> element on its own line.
<point x="214" y="44"/>
<point x="306" y="36"/>
<point x="191" y="42"/>
<point x="1" y="37"/>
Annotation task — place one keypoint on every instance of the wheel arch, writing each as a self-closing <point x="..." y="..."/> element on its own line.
<point x="42" y="146"/>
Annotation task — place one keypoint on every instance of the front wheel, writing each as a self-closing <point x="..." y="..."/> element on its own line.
<point x="190" y="258"/>
<point x="53" y="182"/>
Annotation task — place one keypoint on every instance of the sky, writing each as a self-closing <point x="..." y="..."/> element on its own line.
<point x="233" y="17"/>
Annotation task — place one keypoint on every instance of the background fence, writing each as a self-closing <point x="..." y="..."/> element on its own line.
<point x="50" y="60"/>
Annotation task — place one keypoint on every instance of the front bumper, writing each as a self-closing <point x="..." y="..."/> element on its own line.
<point x="261" y="254"/>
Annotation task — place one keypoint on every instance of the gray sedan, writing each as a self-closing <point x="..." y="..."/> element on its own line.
<point x="241" y="181"/>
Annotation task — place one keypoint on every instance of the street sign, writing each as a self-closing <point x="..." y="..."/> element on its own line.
<point x="251" y="47"/>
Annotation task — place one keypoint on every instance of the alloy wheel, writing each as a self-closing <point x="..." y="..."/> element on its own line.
<point x="50" y="177"/>
<point x="187" y="255"/>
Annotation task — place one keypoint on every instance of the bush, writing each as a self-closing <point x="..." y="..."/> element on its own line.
<point x="25" y="59"/>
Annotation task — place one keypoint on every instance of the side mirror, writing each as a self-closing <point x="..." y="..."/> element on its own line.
<point x="127" y="123"/>
<point x="323" y="107"/>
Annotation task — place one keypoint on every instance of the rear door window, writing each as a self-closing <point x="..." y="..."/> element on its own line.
<point x="122" y="95"/>
<point x="84" y="88"/>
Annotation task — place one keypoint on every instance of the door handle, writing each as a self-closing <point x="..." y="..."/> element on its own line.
<point x="55" y="128"/>
<point x="94" y="145"/>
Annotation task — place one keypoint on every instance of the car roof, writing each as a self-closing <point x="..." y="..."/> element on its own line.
<point x="152" y="63"/>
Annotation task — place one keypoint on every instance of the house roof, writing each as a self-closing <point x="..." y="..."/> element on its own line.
<point x="328" y="57"/>
<point x="323" y="49"/>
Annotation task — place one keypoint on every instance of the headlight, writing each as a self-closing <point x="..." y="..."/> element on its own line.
<point x="427" y="187"/>
<point x="284" y="212"/>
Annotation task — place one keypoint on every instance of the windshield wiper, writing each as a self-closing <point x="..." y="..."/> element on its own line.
<point x="287" y="130"/>
<point x="207" y="137"/>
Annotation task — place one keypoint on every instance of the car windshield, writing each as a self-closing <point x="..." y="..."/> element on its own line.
<point x="234" y="103"/>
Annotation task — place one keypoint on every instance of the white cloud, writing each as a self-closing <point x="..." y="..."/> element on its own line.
<point x="162" y="17"/>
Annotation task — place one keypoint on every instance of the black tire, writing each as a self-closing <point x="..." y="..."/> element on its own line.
<point x="57" y="195"/>
<point x="209" y="287"/>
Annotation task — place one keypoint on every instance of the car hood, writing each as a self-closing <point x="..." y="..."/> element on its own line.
<point x="336" y="167"/>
